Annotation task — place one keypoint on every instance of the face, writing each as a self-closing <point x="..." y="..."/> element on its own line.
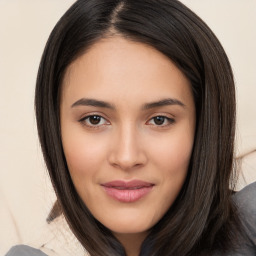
<point x="127" y="125"/>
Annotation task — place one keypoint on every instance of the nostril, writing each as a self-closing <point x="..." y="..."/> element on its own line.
<point x="127" y="163"/>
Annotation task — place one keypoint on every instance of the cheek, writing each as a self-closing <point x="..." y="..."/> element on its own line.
<point x="171" y="158"/>
<point x="84" y="154"/>
<point x="173" y="152"/>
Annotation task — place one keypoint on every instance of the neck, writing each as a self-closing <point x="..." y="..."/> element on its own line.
<point x="131" y="242"/>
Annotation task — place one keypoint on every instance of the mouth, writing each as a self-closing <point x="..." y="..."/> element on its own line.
<point x="127" y="192"/>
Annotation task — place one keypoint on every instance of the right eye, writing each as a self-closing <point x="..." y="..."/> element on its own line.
<point x="93" y="121"/>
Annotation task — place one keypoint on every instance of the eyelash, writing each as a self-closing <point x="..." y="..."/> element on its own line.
<point x="83" y="121"/>
<point x="167" y="120"/>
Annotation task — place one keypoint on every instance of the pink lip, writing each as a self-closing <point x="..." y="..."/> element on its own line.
<point x="127" y="191"/>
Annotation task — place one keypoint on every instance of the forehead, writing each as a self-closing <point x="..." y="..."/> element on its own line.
<point x="118" y="68"/>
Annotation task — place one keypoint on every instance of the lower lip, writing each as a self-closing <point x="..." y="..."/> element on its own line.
<point x="127" y="195"/>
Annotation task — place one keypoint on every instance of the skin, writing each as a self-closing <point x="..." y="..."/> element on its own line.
<point x="127" y="143"/>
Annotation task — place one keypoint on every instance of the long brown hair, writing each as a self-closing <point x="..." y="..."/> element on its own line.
<point x="203" y="218"/>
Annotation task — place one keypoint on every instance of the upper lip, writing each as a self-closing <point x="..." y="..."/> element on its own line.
<point x="127" y="184"/>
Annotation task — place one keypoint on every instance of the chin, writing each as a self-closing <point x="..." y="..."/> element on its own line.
<point x="128" y="229"/>
<point x="129" y="225"/>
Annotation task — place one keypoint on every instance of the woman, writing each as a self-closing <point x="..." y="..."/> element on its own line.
<point x="135" y="107"/>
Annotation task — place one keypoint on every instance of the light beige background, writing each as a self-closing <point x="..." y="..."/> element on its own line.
<point x="25" y="192"/>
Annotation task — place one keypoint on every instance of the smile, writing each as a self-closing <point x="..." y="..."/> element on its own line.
<point x="127" y="192"/>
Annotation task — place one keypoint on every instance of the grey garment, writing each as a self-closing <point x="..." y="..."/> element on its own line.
<point x="24" y="250"/>
<point x="245" y="201"/>
<point x="246" y="204"/>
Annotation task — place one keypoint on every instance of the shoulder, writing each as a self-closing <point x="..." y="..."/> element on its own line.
<point x="246" y="197"/>
<point x="245" y="201"/>
<point x="24" y="250"/>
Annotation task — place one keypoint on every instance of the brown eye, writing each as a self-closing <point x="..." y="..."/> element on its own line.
<point x="94" y="120"/>
<point x="159" y="120"/>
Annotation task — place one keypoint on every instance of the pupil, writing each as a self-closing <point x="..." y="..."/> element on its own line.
<point x="159" y="120"/>
<point x="95" y="119"/>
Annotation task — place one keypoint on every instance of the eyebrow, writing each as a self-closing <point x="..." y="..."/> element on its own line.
<point x="92" y="102"/>
<point x="164" y="102"/>
<point x="103" y="104"/>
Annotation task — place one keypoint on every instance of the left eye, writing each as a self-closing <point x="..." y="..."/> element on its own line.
<point x="161" y="120"/>
<point x="93" y="120"/>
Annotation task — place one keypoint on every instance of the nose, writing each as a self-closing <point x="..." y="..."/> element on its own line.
<point x="127" y="149"/>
